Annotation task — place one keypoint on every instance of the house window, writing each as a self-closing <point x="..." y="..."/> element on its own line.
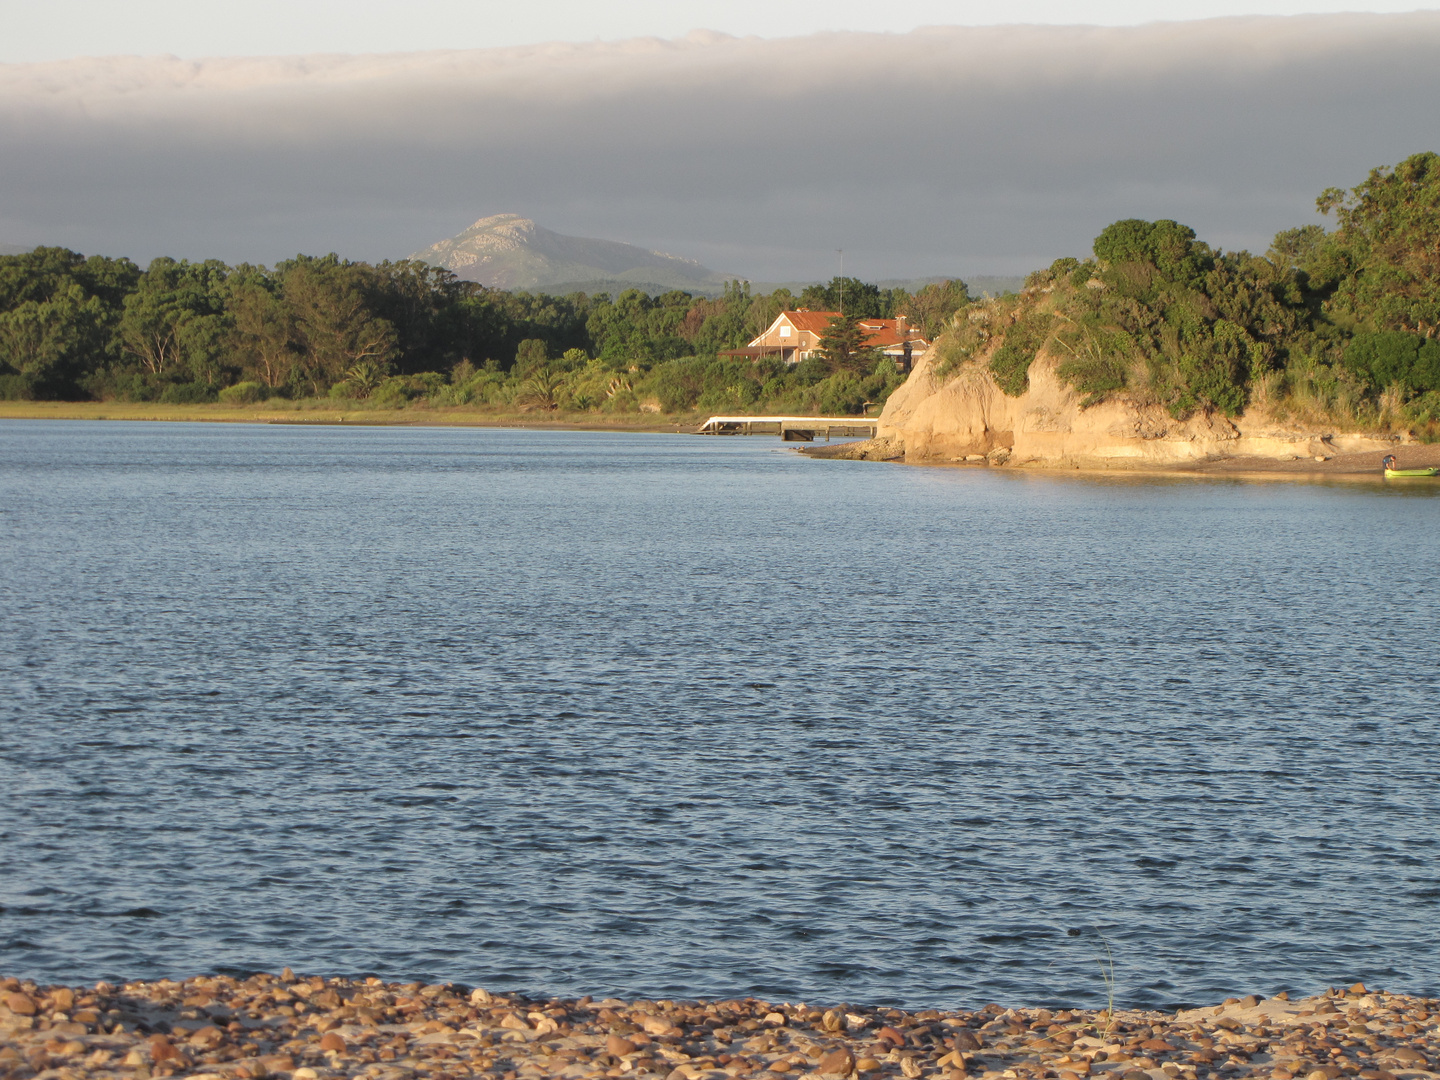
<point x="785" y="330"/>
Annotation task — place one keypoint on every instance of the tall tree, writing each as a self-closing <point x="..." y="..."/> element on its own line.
<point x="265" y="335"/>
<point x="929" y="310"/>
<point x="50" y="343"/>
<point x="842" y="346"/>
<point x="335" y="319"/>
<point x="1387" y="247"/>
<point x="174" y="322"/>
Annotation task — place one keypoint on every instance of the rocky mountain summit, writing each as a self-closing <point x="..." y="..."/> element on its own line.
<point x="507" y="251"/>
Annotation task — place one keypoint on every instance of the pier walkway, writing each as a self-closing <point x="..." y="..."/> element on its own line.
<point x="791" y="428"/>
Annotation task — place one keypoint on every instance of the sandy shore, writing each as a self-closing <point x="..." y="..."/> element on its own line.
<point x="1366" y="465"/>
<point x="312" y="413"/>
<point x="304" y="1028"/>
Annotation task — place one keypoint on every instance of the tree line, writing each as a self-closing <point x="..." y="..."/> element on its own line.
<point x="1328" y="325"/>
<point x="78" y="328"/>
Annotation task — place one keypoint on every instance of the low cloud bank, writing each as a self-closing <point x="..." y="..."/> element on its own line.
<point x="946" y="150"/>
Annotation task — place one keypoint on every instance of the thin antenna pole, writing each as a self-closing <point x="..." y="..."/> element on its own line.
<point x="841" y="252"/>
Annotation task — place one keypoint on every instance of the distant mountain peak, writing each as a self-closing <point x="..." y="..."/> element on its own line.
<point x="507" y="251"/>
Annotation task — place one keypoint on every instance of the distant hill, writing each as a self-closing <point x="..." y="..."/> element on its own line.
<point x="507" y="251"/>
<point x="983" y="285"/>
<point x="978" y="284"/>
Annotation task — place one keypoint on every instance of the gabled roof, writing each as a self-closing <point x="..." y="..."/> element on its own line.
<point x="881" y="333"/>
<point x="884" y="333"/>
<point x="817" y="322"/>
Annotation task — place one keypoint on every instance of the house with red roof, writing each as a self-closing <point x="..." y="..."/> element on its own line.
<point x="795" y="336"/>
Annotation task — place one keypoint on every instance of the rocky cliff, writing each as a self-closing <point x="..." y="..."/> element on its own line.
<point x="964" y="416"/>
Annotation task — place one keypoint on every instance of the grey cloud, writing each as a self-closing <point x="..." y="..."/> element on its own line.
<point x="946" y="150"/>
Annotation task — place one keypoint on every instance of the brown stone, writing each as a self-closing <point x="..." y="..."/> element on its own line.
<point x="779" y="1066"/>
<point x="837" y="1062"/>
<point x="966" y="1040"/>
<point x="889" y="1034"/>
<point x="867" y="1064"/>
<point x="208" y="1037"/>
<point x="62" y="999"/>
<point x="162" y="1049"/>
<point x="1159" y="1046"/>
<point x="333" y="1040"/>
<point x="19" y="1004"/>
<point x="619" y="1046"/>
<point x="1358" y="989"/>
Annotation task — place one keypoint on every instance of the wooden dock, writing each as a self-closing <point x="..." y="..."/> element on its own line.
<point x="792" y="428"/>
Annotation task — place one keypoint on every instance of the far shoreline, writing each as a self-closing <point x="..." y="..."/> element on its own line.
<point x="304" y="414"/>
<point x="1355" y="466"/>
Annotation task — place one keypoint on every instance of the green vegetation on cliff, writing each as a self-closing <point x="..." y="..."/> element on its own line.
<point x="1327" y="326"/>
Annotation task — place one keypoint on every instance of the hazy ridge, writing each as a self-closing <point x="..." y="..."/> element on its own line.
<point x="507" y="251"/>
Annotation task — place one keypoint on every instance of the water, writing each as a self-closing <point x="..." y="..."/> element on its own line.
<point x="665" y="716"/>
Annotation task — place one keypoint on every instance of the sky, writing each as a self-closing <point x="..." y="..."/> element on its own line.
<point x="920" y="137"/>
<point x="62" y="29"/>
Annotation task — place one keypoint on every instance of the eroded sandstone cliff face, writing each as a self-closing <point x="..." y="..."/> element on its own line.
<point x="964" y="415"/>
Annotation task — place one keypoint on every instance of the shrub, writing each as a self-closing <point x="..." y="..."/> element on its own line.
<point x="841" y="395"/>
<point x="16" y="388"/>
<point x="244" y="393"/>
<point x="675" y="384"/>
<point x="1408" y="360"/>
<point x="1010" y="363"/>
<point x="191" y="393"/>
<point x="391" y="394"/>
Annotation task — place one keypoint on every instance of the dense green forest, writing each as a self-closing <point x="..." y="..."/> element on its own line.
<point x="76" y="328"/>
<point x="1334" y="325"/>
<point x="1327" y="326"/>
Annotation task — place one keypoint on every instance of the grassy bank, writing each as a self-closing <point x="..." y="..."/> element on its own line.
<point x="343" y="412"/>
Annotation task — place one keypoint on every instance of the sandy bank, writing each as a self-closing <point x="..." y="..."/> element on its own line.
<point x="303" y="1028"/>
<point x="962" y="417"/>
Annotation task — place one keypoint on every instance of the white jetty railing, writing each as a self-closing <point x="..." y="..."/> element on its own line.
<point x="791" y="428"/>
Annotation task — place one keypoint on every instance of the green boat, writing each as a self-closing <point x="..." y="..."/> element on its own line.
<point x="1392" y="473"/>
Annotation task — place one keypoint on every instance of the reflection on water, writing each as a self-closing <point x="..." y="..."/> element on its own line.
<point x="655" y="715"/>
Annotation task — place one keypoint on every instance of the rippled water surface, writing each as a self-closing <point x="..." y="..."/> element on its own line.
<point x="667" y="716"/>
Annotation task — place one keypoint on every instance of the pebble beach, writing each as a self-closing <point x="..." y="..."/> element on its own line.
<point x="291" y="1027"/>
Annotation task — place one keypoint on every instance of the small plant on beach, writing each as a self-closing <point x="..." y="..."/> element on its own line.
<point x="1107" y="973"/>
